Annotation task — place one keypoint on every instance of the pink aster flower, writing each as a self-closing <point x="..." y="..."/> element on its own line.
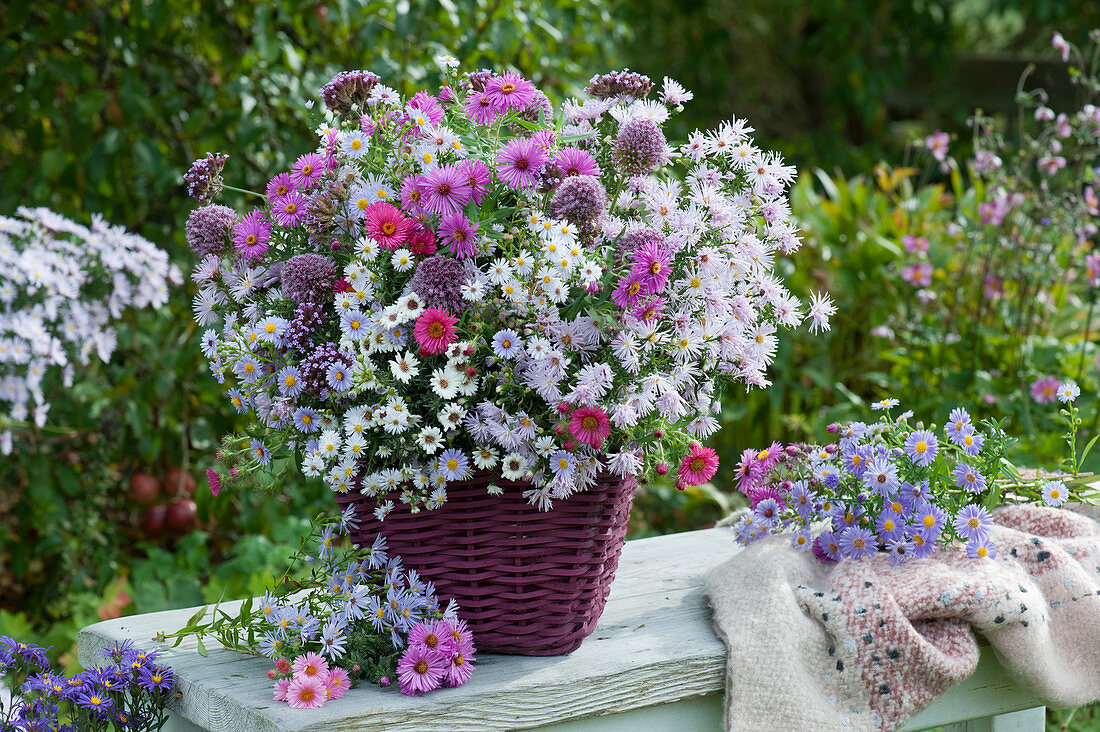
<point x="699" y="465"/>
<point x="436" y="635"/>
<point x="387" y="225"/>
<point x="460" y="233"/>
<point x="252" y="235"/>
<point x="1044" y="390"/>
<point x="310" y="664"/>
<point x="412" y="193"/>
<point x="434" y="331"/>
<point x="479" y="108"/>
<point x="281" y="687"/>
<point x="649" y="309"/>
<point x="279" y="186"/>
<point x="652" y="263"/>
<point x="215" y="481"/>
<point x="307" y="170"/>
<point x="422" y="241"/>
<point x="628" y="293"/>
<point x="574" y="161"/>
<point x="306" y="692"/>
<point x="459" y="670"/>
<point x="420" y="670"/>
<point x="1092" y="269"/>
<point x="445" y="190"/>
<point x="463" y="638"/>
<point x="337" y="683"/>
<point x="478" y="175"/>
<point x="427" y="104"/>
<point x="519" y="162"/>
<point x="289" y="210"/>
<point x="282" y="666"/>
<point x="509" y="91"/>
<point x="590" y="425"/>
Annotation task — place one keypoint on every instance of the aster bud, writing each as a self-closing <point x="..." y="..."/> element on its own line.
<point x="661" y="469"/>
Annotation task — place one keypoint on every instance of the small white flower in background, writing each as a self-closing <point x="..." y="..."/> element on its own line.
<point x="446" y="61"/>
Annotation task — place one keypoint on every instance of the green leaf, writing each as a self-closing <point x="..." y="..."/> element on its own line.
<point x="197" y="617"/>
<point x="201" y="648"/>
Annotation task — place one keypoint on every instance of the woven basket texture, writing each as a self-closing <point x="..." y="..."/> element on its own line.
<point x="528" y="582"/>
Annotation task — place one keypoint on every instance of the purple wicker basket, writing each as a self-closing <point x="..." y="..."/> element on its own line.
<point x="528" y="582"/>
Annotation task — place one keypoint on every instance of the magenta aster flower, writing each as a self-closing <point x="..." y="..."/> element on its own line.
<point x="306" y="692"/>
<point x="307" y="170"/>
<point x="412" y="193"/>
<point x="1045" y="390"/>
<point x="699" y="465"/>
<point x="460" y="233"/>
<point x="310" y="664"/>
<point x="446" y="190"/>
<point x="436" y="635"/>
<point x="478" y="174"/>
<point x="575" y="161"/>
<point x="289" y="210"/>
<point x="252" y="235"/>
<point x="427" y="104"/>
<point x="629" y="292"/>
<point x="479" y="108"/>
<point x="519" y="162"/>
<point x="434" y="331"/>
<point x="590" y="425"/>
<point x="509" y="91"/>
<point x="279" y="186"/>
<point x="649" y="309"/>
<point x="281" y="687"/>
<point x="420" y="670"/>
<point x="459" y="671"/>
<point x="337" y="683"/>
<point x="652" y="263"/>
<point x="387" y="225"/>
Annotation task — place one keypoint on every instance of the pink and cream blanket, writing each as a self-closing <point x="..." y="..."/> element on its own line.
<point x="864" y="645"/>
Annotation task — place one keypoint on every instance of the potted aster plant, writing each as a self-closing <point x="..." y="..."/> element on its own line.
<point x="481" y="318"/>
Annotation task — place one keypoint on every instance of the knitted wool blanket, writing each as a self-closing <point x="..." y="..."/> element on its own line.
<point x="865" y="645"/>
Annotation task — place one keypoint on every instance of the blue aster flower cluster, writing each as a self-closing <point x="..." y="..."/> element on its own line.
<point x="126" y="693"/>
<point x="888" y="486"/>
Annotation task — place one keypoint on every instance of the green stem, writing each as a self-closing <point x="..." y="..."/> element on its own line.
<point x="242" y="190"/>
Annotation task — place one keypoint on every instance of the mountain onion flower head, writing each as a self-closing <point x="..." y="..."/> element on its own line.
<point x="888" y="489"/>
<point x="419" y="294"/>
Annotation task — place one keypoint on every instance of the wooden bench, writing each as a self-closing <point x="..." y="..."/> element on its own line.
<point x="654" y="663"/>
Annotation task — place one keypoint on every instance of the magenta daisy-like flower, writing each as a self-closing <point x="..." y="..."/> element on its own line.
<point x="509" y="91"/>
<point x="479" y="108"/>
<point x="650" y="309"/>
<point x="436" y="635"/>
<point x="629" y="292"/>
<point x="652" y="263"/>
<point x="434" y="331"/>
<point x="307" y="170"/>
<point x="575" y="161"/>
<point x="337" y="683"/>
<point x="387" y="225"/>
<point x="460" y="233"/>
<point x="280" y="186"/>
<point x="421" y="670"/>
<point x="412" y="193"/>
<point x="519" y="162"/>
<point x="427" y="104"/>
<point x="310" y="664"/>
<point x="445" y="190"/>
<point x="306" y="692"/>
<point x="699" y="465"/>
<point x="459" y="670"/>
<point x="252" y="234"/>
<point x="478" y="175"/>
<point x="289" y="210"/>
<point x="590" y="425"/>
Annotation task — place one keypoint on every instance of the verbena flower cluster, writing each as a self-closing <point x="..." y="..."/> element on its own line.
<point x="475" y="280"/>
<point x="127" y="692"/>
<point x="62" y="285"/>
<point x="360" y="615"/>
<point x="887" y="486"/>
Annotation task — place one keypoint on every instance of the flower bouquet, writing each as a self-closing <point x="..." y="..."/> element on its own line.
<point x="483" y="319"/>
<point x="62" y="285"/>
<point x="889" y="486"/>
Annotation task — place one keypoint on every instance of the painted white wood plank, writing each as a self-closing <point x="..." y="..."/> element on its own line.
<point x="1026" y="720"/>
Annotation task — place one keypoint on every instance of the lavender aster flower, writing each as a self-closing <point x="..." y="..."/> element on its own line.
<point x="208" y="229"/>
<point x="856" y="543"/>
<point x="969" y="478"/>
<point x="519" y="162"/>
<point x="921" y="446"/>
<point x="309" y="278"/>
<point x="973" y="522"/>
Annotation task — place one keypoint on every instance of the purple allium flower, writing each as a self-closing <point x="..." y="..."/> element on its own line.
<point x="208" y="229"/>
<point x="639" y="147"/>
<point x="969" y="478"/>
<point x="421" y="670"/>
<point x="445" y="190"/>
<point x="580" y="199"/>
<point x="252" y="234"/>
<point x="347" y="93"/>
<point x="460" y="233"/>
<point x="973" y="522"/>
<point x="308" y="169"/>
<point x="509" y="91"/>
<point x="575" y="161"/>
<point x="309" y="278"/>
<point x="204" y="178"/>
<point x="478" y="176"/>
<point x="856" y="543"/>
<point x="519" y="162"/>
<point x="1054" y="493"/>
<point x="625" y="83"/>
<point x="289" y="210"/>
<point x="439" y="281"/>
<point x="635" y="240"/>
<point x="921" y="446"/>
